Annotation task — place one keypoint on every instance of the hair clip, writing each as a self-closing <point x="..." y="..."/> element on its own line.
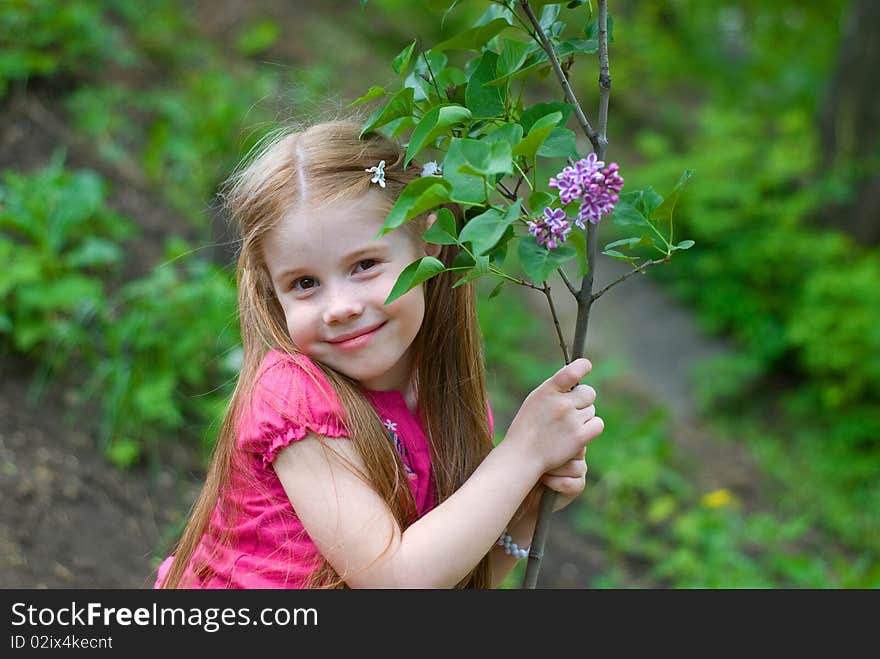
<point x="379" y="173"/>
<point x="432" y="168"/>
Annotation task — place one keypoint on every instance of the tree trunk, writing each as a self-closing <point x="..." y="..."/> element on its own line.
<point x="849" y="123"/>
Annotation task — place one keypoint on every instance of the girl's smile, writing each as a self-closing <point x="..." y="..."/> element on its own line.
<point x="356" y="339"/>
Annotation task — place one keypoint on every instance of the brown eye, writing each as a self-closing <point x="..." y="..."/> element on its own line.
<point x="303" y="284"/>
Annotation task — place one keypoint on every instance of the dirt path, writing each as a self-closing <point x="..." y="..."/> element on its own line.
<point x="655" y="343"/>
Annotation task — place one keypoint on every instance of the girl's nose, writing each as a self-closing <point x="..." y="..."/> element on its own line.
<point x="342" y="308"/>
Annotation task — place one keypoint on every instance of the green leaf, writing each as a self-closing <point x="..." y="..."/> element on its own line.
<point x="620" y="257"/>
<point x="375" y="92"/>
<point x="485" y="102"/>
<point x="684" y="244"/>
<point x="498" y="254"/>
<point x="474" y="38"/>
<point x="536" y="60"/>
<point x="421" y="79"/>
<point x="511" y="133"/>
<point x="400" y="126"/>
<point x="463" y="260"/>
<point x="666" y="209"/>
<point x="480" y="269"/>
<point x="466" y="188"/>
<point x="482" y="158"/>
<point x="485" y="230"/>
<point x="649" y="201"/>
<point x="414" y="274"/>
<point x="582" y="46"/>
<point x="536" y="136"/>
<point x="578" y="240"/>
<point x="443" y="231"/>
<point x="535" y="112"/>
<point x="513" y="54"/>
<point x="401" y="62"/>
<point x="631" y="243"/>
<point x="497" y="289"/>
<point x="627" y="211"/>
<point x="538" y="262"/>
<point x="561" y="143"/>
<point x="454" y="80"/>
<point x="420" y="195"/>
<point x="435" y="123"/>
<point x="400" y="105"/>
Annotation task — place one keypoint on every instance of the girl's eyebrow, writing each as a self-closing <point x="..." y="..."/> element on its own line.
<point x="356" y="254"/>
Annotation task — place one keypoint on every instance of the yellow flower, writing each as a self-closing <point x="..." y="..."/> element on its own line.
<point x="719" y="499"/>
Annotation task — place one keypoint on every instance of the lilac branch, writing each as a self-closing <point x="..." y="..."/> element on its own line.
<point x="592" y="135"/>
<point x="584" y="297"/>
<point x="644" y="266"/>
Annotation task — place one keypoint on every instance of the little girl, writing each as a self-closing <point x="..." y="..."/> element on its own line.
<point x="357" y="447"/>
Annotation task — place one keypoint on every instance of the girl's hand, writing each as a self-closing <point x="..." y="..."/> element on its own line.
<point x="556" y="421"/>
<point x="568" y="481"/>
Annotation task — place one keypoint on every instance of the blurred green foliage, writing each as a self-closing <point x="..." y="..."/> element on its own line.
<point x="60" y="242"/>
<point x="731" y="91"/>
<point x="42" y="38"/>
<point x="152" y="387"/>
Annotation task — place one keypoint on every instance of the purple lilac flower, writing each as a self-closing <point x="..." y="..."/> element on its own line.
<point x="568" y="182"/>
<point x="552" y="229"/>
<point x="598" y="188"/>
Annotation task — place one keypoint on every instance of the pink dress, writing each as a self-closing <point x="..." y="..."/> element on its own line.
<point x="268" y="547"/>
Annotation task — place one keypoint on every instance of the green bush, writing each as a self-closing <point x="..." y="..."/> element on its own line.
<point x="170" y="356"/>
<point x="42" y="37"/>
<point x="796" y="298"/>
<point x="59" y="241"/>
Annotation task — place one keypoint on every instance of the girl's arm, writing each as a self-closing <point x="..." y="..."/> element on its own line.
<point x="356" y="532"/>
<point x="568" y="481"/>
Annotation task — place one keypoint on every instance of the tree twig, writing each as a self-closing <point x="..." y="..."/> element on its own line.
<point x="584" y="296"/>
<point x="644" y="266"/>
<point x="567" y="282"/>
<point x="546" y="291"/>
<point x="591" y="134"/>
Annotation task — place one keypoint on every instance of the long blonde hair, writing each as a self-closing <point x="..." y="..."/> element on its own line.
<point x="322" y="165"/>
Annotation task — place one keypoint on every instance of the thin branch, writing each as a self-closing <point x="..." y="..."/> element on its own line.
<point x="592" y="135"/>
<point x="567" y="281"/>
<point x="644" y="266"/>
<point x="546" y="291"/>
<point x="505" y="192"/>
<point x="604" y="78"/>
<point x="584" y="296"/>
<point x="428" y="64"/>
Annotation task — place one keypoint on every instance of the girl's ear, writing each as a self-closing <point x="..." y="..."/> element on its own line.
<point x="430" y="248"/>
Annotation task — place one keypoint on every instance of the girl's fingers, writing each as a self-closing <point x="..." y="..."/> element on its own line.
<point x="588" y="413"/>
<point x="583" y="395"/>
<point x="570" y="487"/>
<point x="575" y="468"/>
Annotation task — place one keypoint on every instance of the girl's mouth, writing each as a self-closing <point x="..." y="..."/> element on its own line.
<point x="358" y="341"/>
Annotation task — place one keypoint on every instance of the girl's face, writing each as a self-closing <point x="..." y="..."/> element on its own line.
<point x="332" y="275"/>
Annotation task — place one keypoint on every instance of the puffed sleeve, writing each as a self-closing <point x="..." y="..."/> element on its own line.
<point x="291" y="398"/>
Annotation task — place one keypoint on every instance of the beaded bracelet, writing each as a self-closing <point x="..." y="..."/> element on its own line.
<point x="510" y="547"/>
